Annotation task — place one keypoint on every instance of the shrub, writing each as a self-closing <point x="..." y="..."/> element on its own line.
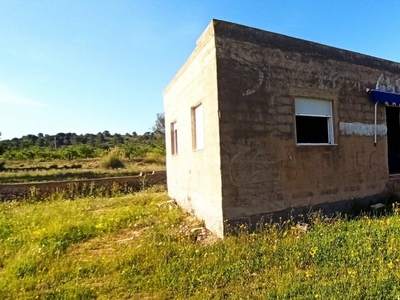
<point x="2" y="163"/>
<point x="112" y="160"/>
<point x="154" y="158"/>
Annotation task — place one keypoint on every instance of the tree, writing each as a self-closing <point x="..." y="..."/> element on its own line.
<point x="76" y="139"/>
<point x="85" y="151"/>
<point x="159" y="126"/>
<point x="129" y="151"/>
<point x="40" y="142"/>
<point x="68" y="152"/>
<point x="72" y="146"/>
<point x="159" y="131"/>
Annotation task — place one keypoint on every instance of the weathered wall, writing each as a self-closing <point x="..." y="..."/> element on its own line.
<point x="194" y="177"/>
<point x="21" y="190"/>
<point x="263" y="169"/>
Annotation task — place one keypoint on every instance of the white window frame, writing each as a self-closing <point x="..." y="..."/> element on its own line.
<point x="198" y="127"/>
<point x="306" y="107"/>
<point x="174" y="138"/>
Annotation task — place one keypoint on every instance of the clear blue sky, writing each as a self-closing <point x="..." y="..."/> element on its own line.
<point x="86" y="66"/>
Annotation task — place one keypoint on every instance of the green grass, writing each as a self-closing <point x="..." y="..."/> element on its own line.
<point x="141" y="247"/>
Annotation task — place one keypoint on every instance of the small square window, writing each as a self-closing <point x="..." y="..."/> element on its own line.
<point x="174" y="138"/>
<point x="314" y="123"/>
<point x="197" y="128"/>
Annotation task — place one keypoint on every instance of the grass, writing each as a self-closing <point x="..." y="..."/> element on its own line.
<point x="90" y="169"/>
<point x="141" y="246"/>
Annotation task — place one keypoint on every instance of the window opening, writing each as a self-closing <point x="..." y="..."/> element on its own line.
<point x="393" y="139"/>
<point x="314" y="123"/>
<point x="198" y="127"/>
<point x="174" y="138"/>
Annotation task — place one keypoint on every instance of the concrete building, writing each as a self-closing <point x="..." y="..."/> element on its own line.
<point x="260" y="123"/>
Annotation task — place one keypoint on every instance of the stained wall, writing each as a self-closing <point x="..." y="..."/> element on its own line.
<point x="194" y="176"/>
<point x="263" y="168"/>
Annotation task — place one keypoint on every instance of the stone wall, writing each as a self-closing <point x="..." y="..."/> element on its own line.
<point x="247" y="81"/>
<point x="194" y="175"/>
<point x="264" y="170"/>
<point x="22" y="190"/>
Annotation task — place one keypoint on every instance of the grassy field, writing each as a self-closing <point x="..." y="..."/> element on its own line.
<point x="142" y="246"/>
<point x="90" y="168"/>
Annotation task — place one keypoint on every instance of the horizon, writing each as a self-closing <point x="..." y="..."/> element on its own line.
<point x="79" y="134"/>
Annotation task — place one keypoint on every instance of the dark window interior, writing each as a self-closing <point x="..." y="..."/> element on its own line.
<point x="312" y="130"/>
<point x="393" y="139"/>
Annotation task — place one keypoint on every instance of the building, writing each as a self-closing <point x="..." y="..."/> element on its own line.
<point x="260" y="123"/>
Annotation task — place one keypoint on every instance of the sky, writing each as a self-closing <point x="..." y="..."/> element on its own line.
<point x="86" y="66"/>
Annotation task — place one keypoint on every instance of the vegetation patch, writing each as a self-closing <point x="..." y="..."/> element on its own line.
<point x="112" y="160"/>
<point x="143" y="246"/>
<point x="51" y="167"/>
<point x="70" y="156"/>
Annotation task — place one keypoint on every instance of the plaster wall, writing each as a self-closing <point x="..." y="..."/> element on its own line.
<point x="263" y="169"/>
<point x="194" y="176"/>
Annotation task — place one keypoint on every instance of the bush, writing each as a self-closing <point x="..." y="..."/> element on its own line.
<point x="2" y="163"/>
<point x="112" y="160"/>
<point x="154" y="158"/>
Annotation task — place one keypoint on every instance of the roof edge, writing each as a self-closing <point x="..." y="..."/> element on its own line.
<point x="264" y="38"/>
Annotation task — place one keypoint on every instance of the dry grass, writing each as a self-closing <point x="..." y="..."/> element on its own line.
<point x="90" y="169"/>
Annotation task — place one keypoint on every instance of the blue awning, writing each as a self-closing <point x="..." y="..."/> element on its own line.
<point x="384" y="97"/>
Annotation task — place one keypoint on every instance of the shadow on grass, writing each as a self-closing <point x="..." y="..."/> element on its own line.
<point x="353" y="209"/>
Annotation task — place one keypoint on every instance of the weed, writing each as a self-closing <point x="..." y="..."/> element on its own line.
<point x="34" y="194"/>
<point x="143" y="181"/>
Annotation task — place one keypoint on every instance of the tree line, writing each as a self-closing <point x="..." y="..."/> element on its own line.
<point x="72" y="145"/>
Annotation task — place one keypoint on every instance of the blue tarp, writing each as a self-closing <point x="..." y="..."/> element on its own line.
<point x="385" y="97"/>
